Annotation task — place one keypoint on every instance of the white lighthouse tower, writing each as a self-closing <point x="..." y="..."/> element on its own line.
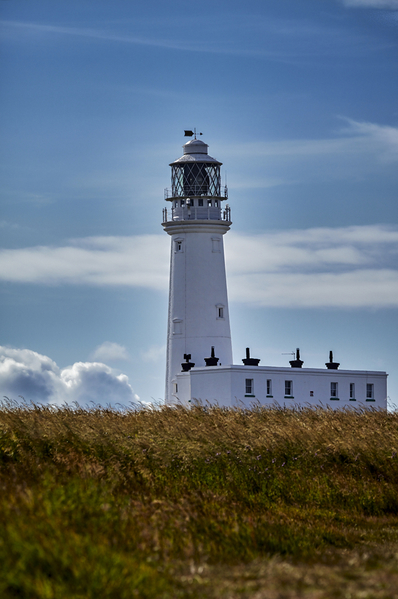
<point x="199" y="350"/>
<point x="198" y="318"/>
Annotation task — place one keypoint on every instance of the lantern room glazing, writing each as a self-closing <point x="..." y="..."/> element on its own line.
<point x="196" y="192"/>
<point x="196" y="174"/>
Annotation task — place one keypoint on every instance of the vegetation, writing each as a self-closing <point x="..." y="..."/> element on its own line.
<point x="205" y="502"/>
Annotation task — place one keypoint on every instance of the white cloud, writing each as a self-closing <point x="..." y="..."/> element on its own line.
<point x="37" y="378"/>
<point x="355" y="152"/>
<point x="372" y="3"/>
<point x="324" y="266"/>
<point x="273" y="38"/>
<point x="382" y="138"/>
<point x="140" y="261"/>
<point x="109" y="351"/>
<point x="346" y="267"/>
<point x="357" y="138"/>
<point x="357" y="289"/>
<point x="155" y="353"/>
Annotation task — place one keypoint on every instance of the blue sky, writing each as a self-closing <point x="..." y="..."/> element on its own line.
<point x="297" y="98"/>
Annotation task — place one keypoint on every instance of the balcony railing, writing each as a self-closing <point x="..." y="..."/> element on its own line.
<point x="193" y="191"/>
<point x="196" y="213"/>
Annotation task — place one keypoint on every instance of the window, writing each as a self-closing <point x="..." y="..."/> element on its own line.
<point x="200" y="202"/>
<point x="175" y="387"/>
<point x="249" y="387"/>
<point x="334" y="391"/>
<point x="269" y="388"/>
<point x="311" y="394"/>
<point x="178" y="246"/>
<point x="177" y="326"/>
<point x="352" y="391"/>
<point x="216" y="241"/>
<point x="216" y="203"/>
<point x="369" y="392"/>
<point x="288" y="388"/>
<point x="182" y="203"/>
<point x="220" y="311"/>
<point x="209" y="203"/>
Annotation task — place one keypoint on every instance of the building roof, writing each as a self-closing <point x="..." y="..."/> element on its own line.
<point x="195" y="150"/>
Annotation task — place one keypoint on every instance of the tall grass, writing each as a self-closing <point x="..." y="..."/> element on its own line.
<point x="105" y="503"/>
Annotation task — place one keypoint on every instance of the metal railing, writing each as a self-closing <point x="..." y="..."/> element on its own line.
<point x="197" y="213"/>
<point x="195" y="191"/>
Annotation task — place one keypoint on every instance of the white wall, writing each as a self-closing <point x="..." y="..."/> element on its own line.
<point x="226" y="386"/>
<point x="197" y="286"/>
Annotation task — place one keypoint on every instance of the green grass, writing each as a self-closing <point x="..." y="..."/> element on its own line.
<point x="204" y="502"/>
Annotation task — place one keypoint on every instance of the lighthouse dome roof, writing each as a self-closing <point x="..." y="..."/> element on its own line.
<point x="195" y="146"/>
<point x="195" y="150"/>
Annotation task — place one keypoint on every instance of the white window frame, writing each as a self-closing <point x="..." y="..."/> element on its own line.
<point x="288" y="388"/>
<point x="216" y="244"/>
<point x="370" y="392"/>
<point x="177" y="326"/>
<point x="334" y="390"/>
<point x="269" y="388"/>
<point x="220" y="313"/>
<point x="249" y="387"/>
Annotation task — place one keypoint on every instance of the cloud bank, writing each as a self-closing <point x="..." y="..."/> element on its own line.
<point x="347" y="267"/>
<point x="139" y="261"/>
<point x="37" y="378"/>
<point x="356" y="149"/>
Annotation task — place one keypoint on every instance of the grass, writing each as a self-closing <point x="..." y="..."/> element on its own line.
<point x="206" y="502"/>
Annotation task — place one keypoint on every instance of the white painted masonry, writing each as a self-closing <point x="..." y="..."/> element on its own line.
<point x="198" y="317"/>
<point x="226" y="385"/>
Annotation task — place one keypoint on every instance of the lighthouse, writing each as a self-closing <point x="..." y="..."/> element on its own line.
<point x="199" y="350"/>
<point x="196" y="220"/>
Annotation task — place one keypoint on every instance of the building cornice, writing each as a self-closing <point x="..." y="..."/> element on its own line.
<point x="197" y="226"/>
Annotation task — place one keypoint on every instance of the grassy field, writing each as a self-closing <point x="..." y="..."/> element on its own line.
<point x="204" y="502"/>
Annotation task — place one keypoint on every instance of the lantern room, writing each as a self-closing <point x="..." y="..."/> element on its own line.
<point x="196" y="174"/>
<point x="196" y="192"/>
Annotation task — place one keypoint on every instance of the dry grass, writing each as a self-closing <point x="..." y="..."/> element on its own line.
<point x="206" y="502"/>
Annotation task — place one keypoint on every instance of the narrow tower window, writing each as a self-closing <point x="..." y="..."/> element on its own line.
<point x="269" y="388"/>
<point x="216" y="241"/>
<point x="352" y="391"/>
<point x="220" y="311"/>
<point x="177" y="326"/>
<point x="178" y="245"/>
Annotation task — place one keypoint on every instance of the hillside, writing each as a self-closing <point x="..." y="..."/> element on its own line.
<point x="206" y="502"/>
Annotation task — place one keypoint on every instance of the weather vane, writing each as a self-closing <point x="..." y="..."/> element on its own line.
<point x="189" y="133"/>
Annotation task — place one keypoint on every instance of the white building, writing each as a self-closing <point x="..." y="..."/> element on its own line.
<point x="199" y="349"/>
